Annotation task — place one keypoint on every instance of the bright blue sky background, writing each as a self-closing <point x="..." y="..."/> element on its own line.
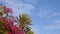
<point x="45" y="14"/>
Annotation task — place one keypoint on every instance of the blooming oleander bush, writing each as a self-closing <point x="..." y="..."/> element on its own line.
<point x="7" y="24"/>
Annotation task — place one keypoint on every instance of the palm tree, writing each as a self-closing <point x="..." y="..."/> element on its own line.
<point x="24" y="21"/>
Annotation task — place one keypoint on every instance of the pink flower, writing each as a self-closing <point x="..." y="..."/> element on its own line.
<point x="7" y="10"/>
<point x="5" y="20"/>
<point x="9" y="33"/>
<point x="17" y="30"/>
<point x="12" y="29"/>
<point x="8" y="24"/>
<point x="11" y="22"/>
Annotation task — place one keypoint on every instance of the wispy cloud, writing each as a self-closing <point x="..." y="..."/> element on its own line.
<point x="18" y="7"/>
<point x="36" y="29"/>
<point x="45" y="12"/>
<point x="55" y="25"/>
<point x="31" y="1"/>
<point x="56" y="14"/>
<point x="48" y="12"/>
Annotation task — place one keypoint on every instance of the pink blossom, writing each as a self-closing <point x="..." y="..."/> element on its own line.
<point x="9" y="33"/>
<point x="7" y="10"/>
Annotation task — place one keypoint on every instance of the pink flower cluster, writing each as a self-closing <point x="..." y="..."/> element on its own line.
<point x="8" y="25"/>
<point x="12" y="29"/>
<point x="7" y="10"/>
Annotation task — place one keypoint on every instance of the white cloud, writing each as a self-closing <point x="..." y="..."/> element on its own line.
<point x="56" y="14"/>
<point x="24" y="8"/>
<point x="31" y="1"/>
<point x="19" y="7"/>
<point x="45" y="12"/>
<point x="55" y="25"/>
<point x="48" y="12"/>
<point x="36" y="29"/>
<point x="43" y="15"/>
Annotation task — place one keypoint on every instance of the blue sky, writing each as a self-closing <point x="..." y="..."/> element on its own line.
<point x="45" y="14"/>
